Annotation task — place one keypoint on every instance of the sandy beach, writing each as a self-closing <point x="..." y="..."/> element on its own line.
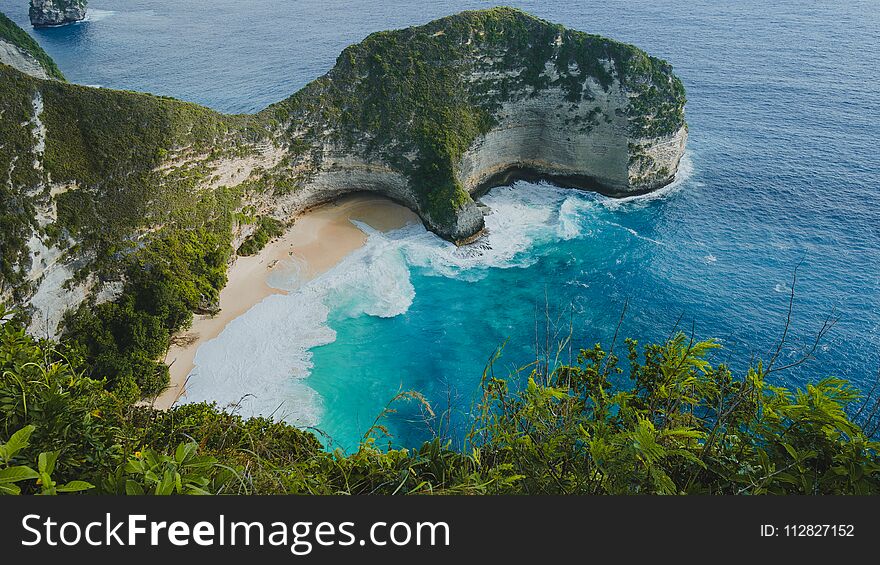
<point x="318" y="240"/>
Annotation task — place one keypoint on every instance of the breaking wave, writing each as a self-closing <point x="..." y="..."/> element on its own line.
<point x="259" y="363"/>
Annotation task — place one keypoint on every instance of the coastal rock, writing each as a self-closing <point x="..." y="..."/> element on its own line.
<point x="535" y="139"/>
<point x="45" y="13"/>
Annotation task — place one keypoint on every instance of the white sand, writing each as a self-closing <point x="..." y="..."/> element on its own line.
<point x="318" y="240"/>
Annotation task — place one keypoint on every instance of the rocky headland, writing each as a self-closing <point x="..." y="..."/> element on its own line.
<point x="430" y="116"/>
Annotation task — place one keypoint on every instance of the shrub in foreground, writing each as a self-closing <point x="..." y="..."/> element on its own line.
<point x="681" y="426"/>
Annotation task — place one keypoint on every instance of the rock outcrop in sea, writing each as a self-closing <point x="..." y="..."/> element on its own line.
<point x="45" y="13"/>
<point x="430" y="116"/>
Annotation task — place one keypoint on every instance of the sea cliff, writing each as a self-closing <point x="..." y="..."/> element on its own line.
<point x="432" y="115"/>
<point x="104" y="185"/>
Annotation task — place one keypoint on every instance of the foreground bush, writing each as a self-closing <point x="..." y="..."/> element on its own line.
<point x="683" y="426"/>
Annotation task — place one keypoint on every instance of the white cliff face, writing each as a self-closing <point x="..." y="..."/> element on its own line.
<point x="56" y="12"/>
<point x="19" y="59"/>
<point x="587" y="143"/>
<point x="49" y="270"/>
<point x="343" y="173"/>
<point x="544" y="135"/>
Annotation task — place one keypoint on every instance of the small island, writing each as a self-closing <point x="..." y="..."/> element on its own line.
<point x="49" y="13"/>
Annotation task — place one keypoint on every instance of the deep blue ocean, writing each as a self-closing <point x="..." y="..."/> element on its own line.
<point x="782" y="169"/>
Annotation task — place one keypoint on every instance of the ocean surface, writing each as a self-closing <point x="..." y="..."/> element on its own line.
<point x="782" y="169"/>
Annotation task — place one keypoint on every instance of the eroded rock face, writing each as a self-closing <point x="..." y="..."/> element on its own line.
<point x="21" y="52"/>
<point x="478" y="100"/>
<point x="20" y="59"/>
<point x="536" y="138"/>
<point x="44" y="13"/>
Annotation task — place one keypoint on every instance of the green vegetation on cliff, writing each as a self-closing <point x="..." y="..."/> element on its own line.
<point x="134" y="163"/>
<point x="164" y="239"/>
<point x="121" y="341"/>
<point x="13" y="34"/>
<point x="267" y="229"/>
<point x="111" y="143"/>
<point x="17" y="215"/>
<point x="107" y="146"/>
<point x="681" y="426"/>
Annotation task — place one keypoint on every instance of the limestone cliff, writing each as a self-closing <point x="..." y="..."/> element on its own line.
<point x="44" y="13"/>
<point x="20" y="51"/>
<point x="432" y="115"/>
<point x="429" y="116"/>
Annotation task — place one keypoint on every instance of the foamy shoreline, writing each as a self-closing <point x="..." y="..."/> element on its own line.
<point x="318" y="240"/>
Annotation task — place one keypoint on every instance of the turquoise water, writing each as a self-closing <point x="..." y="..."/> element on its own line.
<point x="782" y="169"/>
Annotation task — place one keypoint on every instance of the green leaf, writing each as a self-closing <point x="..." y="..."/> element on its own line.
<point x="46" y="461"/>
<point x="133" y="488"/>
<point x="184" y="451"/>
<point x="16" y="443"/>
<point x="151" y="458"/>
<point x="10" y="489"/>
<point x="15" y="474"/>
<point x="791" y="451"/>
<point x="134" y="466"/>
<point x="47" y="484"/>
<point x="166" y="485"/>
<point x="75" y="486"/>
<point x="197" y="491"/>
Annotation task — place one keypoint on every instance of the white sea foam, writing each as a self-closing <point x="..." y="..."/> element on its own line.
<point x="635" y="234"/>
<point x="260" y="361"/>
<point x="94" y="15"/>
<point x="571" y="214"/>
<point x="782" y="288"/>
<point x="520" y="217"/>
